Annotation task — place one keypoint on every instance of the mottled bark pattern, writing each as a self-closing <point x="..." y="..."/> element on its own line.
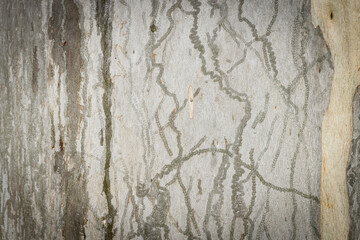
<point x="161" y="119"/>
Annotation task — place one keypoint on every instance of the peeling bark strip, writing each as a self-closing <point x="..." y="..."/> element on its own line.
<point x="65" y="32"/>
<point x="339" y="22"/>
<point x="103" y="13"/>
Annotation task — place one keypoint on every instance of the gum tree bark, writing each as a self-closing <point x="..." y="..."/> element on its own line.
<point x="161" y="119"/>
<point x="339" y="23"/>
<point x="353" y="173"/>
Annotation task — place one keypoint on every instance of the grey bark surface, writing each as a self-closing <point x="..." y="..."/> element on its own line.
<point x="161" y="119"/>
<point x="353" y="173"/>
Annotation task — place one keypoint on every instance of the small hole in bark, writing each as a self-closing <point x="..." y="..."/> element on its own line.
<point x="331" y="15"/>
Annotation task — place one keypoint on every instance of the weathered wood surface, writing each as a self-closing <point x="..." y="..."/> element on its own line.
<point x="161" y="119"/>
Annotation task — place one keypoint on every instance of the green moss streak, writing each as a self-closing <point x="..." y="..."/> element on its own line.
<point x="103" y="13"/>
<point x="153" y="28"/>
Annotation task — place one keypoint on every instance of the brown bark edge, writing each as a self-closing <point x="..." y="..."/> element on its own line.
<point x="339" y="22"/>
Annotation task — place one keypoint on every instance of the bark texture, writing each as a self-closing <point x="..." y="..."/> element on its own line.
<point x="353" y="173"/>
<point x="161" y="119"/>
<point x="339" y="23"/>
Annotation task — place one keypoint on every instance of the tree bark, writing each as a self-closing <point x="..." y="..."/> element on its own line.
<point x="165" y="119"/>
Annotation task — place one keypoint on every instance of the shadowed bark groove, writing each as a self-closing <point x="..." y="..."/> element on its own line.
<point x="103" y="15"/>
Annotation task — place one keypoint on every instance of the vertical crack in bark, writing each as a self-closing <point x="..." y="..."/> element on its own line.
<point x="353" y="173"/>
<point x="35" y="71"/>
<point x="104" y="23"/>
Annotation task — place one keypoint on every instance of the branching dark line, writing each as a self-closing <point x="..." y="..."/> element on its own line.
<point x="280" y="189"/>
